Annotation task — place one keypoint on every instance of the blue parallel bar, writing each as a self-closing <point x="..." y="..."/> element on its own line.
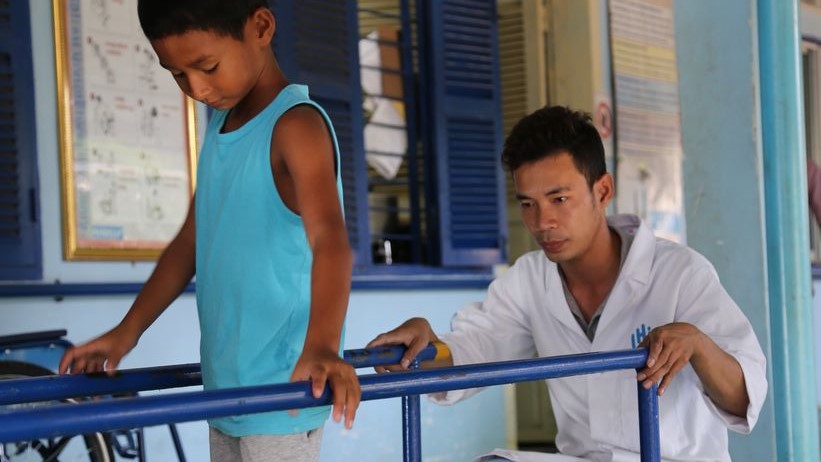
<point x="68" y="419"/>
<point x="412" y="425"/>
<point x="649" y="440"/>
<point x="411" y="429"/>
<point x="380" y="356"/>
<point x="57" y="387"/>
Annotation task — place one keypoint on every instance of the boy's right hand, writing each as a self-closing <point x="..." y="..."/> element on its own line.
<point x="101" y="354"/>
<point x="415" y="333"/>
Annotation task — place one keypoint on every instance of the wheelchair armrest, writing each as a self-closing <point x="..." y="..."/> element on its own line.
<point x="31" y="337"/>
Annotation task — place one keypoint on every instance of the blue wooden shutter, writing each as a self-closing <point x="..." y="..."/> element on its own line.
<point x="465" y="130"/>
<point x="316" y="43"/>
<point x="20" y="254"/>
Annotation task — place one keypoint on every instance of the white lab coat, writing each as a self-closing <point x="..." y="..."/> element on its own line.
<point x="526" y="313"/>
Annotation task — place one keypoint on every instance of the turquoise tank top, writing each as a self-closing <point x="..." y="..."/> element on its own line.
<point x="253" y="267"/>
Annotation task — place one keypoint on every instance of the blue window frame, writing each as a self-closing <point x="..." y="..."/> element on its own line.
<point x="451" y="208"/>
<point x="20" y="253"/>
<point x="396" y="169"/>
<point x="315" y="43"/>
<point x="464" y="132"/>
<point x="450" y="84"/>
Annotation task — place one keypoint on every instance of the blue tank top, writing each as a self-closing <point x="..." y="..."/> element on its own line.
<point x="253" y="267"/>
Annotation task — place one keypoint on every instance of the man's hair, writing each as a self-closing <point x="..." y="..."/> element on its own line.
<point x="554" y="130"/>
<point x="162" y="18"/>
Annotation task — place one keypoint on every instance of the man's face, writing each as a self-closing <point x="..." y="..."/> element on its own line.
<point x="559" y="208"/>
<point x="217" y="70"/>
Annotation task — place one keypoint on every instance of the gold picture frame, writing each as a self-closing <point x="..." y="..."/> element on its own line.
<point x="127" y="136"/>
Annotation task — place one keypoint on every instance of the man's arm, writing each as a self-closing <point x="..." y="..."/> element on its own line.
<point x="712" y="334"/>
<point x="673" y="346"/>
<point x="415" y="334"/>
<point x="302" y="139"/>
<point x="497" y="329"/>
<point x="173" y="272"/>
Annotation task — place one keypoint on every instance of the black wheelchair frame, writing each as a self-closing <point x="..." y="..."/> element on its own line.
<point x="101" y="447"/>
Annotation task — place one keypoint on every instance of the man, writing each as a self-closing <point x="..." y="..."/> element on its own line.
<point x="603" y="284"/>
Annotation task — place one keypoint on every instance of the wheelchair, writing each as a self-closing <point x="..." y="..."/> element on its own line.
<point x="38" y="354"/>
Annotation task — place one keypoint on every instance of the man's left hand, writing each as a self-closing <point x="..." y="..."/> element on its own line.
<point x="670" y="348"/>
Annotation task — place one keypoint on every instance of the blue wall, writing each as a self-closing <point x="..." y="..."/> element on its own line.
<point x="453" y="433"/>
<point x="717" y="47"/>
<point x="718" y="71"/>
<point x="456" y="433"/>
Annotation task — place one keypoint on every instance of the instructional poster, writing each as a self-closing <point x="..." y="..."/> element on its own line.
<point x="127" y="134"/>
<point x="648" y="124"/>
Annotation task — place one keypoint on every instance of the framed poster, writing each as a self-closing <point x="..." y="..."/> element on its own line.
<point x="649" y="155"/>
<point x="127" y="135"/>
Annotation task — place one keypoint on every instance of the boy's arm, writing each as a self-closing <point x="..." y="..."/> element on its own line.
<point x="302" y="140"/>
<point x="174" y="270"/>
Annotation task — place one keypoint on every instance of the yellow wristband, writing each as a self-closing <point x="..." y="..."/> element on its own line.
<point x="442" y="351"/>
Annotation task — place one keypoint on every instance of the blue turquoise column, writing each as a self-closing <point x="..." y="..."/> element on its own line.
<point x="785" y="185"/>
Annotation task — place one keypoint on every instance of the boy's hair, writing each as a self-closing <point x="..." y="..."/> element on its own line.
<point x="162" y="18"/>
<point x="552" y="131"/>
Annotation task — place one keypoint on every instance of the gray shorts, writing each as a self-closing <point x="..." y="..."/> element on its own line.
<point x="299" y="447"/>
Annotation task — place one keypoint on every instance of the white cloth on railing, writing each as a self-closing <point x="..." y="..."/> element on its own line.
<point x="526" y="314"/>
<point x="509" y="455"/>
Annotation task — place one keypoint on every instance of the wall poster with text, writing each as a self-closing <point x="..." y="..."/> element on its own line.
<point x="647" y="116"/>
<point x="127" y="135"/>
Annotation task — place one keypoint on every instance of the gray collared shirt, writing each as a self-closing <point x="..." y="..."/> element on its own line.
<point x="590" y="328"/>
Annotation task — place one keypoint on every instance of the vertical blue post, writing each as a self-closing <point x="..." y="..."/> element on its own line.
<point x="411" y="425"/>
<point x="649" y="441"/>
<point x="782" y="127"/>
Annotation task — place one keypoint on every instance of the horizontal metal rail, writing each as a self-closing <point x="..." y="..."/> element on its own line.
<point x="198" y="405"/>
<point x="30" y="423"/>
<point x="57" y="387"/>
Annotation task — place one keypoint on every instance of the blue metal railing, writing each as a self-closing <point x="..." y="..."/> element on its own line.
<point x="68" y="419"/>
<point x="57" y="387"/>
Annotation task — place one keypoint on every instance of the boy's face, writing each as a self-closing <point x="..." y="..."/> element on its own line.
<point x="217" y="70"/>
<point x="558" y="207"/>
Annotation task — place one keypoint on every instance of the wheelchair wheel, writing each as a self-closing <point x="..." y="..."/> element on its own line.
<point x="90" y="447"/>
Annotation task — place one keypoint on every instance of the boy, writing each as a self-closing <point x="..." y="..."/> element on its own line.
<point x="265" y="233"/>
<point x="606" y="283"/>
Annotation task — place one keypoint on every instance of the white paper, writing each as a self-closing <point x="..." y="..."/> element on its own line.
<point x="524" y="456"/>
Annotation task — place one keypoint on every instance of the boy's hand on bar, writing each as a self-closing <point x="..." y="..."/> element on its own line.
<point x="326" y="366"/>
<point x="101" y="354"/>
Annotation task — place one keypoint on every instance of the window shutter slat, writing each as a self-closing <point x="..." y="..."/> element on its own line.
<point x="20" y="253"/>
<point x="466" y="132"/>
<point x="316" y="44"/>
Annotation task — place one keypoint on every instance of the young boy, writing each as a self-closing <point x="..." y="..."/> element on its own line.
<point x="265" y="234"/>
